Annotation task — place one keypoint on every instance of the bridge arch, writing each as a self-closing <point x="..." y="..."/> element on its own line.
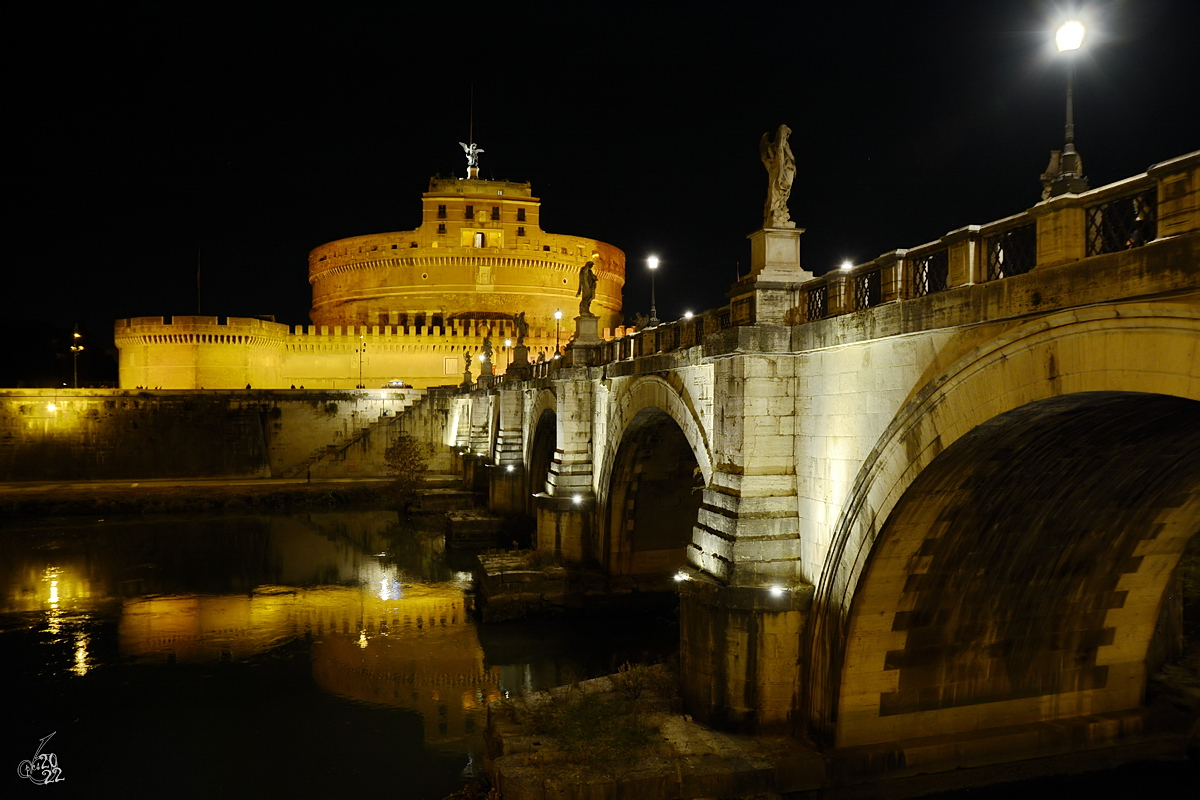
<point x="653" y="392"/>
<point x="656" y="447"/>
<point x="540" y="443"/>
<point x="1033" y="417"/>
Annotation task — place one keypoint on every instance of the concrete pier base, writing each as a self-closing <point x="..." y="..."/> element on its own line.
<point x="564" y="526"/>
<point x="506" y="489"/>
<point x="739" y="653"/>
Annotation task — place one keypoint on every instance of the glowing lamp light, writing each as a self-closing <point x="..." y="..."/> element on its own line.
<point x="687" y="315"/>
<point x="1069" y="36"/>
<point x="681" y="576"/>
<point x="846" y="265"/>
<point x="508" y="342"/>
<point x="558" y="314"/>
<point x="777" y="591"/>
<point x="481" y="358"/>
<point x="509" y="468"/>
<point x="51" y="407"/>
<point x="577" y="499"/>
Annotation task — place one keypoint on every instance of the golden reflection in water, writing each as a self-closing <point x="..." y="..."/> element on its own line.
<point x="387" y="643"/>
<point x="66" y="599"/>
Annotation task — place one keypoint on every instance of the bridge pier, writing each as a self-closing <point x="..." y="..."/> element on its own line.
<point x="742" y="617"/>
<point x="506" y="480"/>
<point x="566" y="508"/>
<point x="739" y="653"/>
<point x="564" y="526"/>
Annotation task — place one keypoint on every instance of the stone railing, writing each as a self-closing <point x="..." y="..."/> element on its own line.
<point x="1163" y="202"/>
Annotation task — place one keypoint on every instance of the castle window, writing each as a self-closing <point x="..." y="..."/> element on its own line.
<point x="495" y="212"/>
<point x="441" y="227"/>
<point x="520" y="231"/>
<point x="479" y="240"/>
<point x="520" y="215"/>
<point x="441" y="212"/>
<point x="546" y="247"/>
<point x="414" y="244"/>
<point x="393" y="247"/>
<point x="470" y="212"/>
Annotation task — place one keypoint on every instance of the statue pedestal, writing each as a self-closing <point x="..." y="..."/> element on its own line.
<point x="520" y="369"/>
<point x="769" y="293"/>
<point x="587" y="339"/>
<point x="775" y="255"/>
<point x="467" y="381"/>
<point x="587" y="329"/>
<point x="486" y="368"/>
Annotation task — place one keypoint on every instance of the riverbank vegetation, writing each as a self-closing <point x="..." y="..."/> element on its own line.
<point x="604" y="725"/>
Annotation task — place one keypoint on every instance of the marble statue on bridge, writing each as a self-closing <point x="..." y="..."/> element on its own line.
<point x="587" y="289"/>
<point x="781" y="170"/>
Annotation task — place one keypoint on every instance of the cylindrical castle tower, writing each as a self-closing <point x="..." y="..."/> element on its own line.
<point x="478" y="254"/>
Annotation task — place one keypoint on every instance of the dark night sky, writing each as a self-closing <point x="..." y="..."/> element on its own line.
<point x="253" y="136"/>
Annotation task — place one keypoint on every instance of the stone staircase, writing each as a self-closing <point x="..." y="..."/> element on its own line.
<point x="334" y="451"/>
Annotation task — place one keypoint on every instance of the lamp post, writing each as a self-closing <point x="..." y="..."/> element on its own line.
<point x="76" y="349"/>
<point x="1065" y="173"/>
<point x="508" y="347"/>
<point x="557" y="319"/>
<point x="362" y="346"/>
<point x="652" y="262"/>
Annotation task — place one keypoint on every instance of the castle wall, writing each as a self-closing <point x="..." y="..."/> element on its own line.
<point x="73" y="434"/>
<point x="197" y="352"/>
<point x="205" y="353"/>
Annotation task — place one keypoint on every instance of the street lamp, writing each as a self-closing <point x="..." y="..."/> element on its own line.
<point x="652" y="262"/>
<point x="508" y="347"/>
<point x="76" y="349"/>
<point x="557" y="319"/>
<point x="1065" y="173"/>
<point x="362" y="347"/>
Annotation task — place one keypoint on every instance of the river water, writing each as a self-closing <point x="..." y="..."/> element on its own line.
<point x="272" y="655"/>
<point x="290" y="655"/>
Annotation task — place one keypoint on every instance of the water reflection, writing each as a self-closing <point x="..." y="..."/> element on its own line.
<point x="377" y="610"/>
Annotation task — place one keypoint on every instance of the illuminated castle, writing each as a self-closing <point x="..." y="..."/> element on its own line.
<point x="408" y="305"/>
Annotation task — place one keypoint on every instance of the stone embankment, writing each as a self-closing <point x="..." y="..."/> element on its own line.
<point x="176" y="497"/>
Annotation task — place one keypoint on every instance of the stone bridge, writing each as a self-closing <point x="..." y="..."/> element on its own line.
<point x="925" y="512"/>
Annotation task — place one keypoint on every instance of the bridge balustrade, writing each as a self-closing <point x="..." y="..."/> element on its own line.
<point x="1123" y="223"/>
<point x="1109" y="219"/>
<point x="868" y="291"/>
<point x="816" y="304"/>
<point x="1011" y="251"/>
<point x="930" y="273"/>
